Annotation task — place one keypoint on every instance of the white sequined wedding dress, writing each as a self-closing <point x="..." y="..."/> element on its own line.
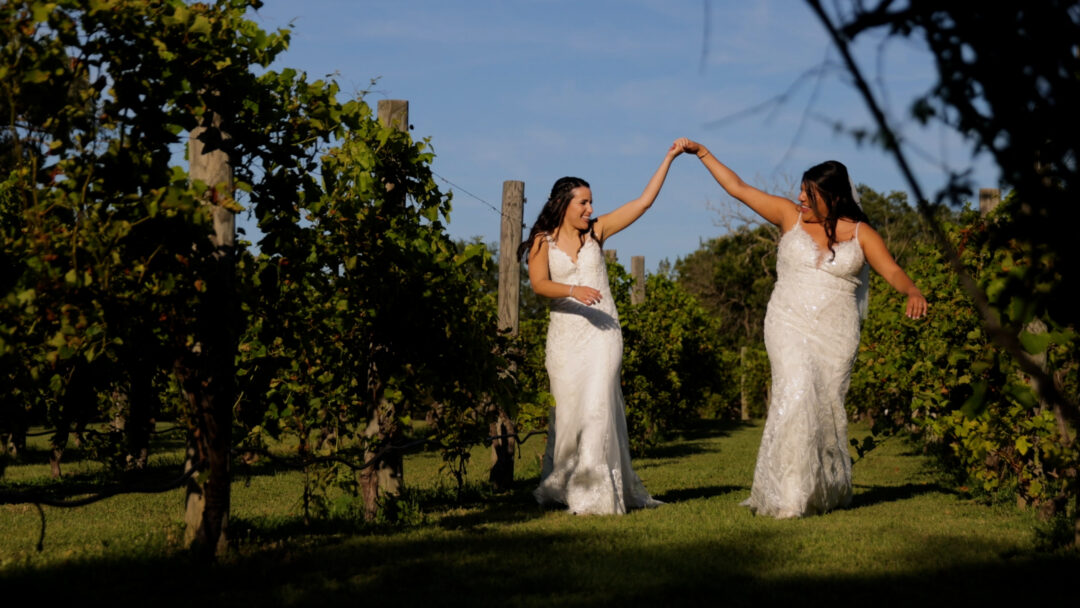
<point x="812" y="336"/>
<point x="587" y="467"/>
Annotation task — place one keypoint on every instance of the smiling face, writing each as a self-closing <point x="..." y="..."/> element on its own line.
<point x="579" y="210"/>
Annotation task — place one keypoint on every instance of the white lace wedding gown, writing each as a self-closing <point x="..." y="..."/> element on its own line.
<point x="811" y="335"/>
<point x="587" y="467"/>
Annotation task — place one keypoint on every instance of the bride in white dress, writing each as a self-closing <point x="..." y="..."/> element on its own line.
<point x="587" y="466"/>
<point x="812" y="334"/>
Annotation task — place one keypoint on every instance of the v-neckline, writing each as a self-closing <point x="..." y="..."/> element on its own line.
<point x="573" y="259"/>
<point x="817" y="248"/>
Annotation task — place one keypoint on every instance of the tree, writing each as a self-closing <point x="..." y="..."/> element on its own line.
<point x="356" y="299"/>
<point x="1025" y="121"/>
<point x="114" y="253"/>
<point x="733" y="275"/>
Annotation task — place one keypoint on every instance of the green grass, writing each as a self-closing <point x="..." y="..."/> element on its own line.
<point x="908" y="538"/>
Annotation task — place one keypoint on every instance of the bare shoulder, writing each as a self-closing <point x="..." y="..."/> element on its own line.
<point x="539" y="245"/>
<point x="867" y="233"/>
<point x="873" y="247"/>
<point x="788" y="214"/>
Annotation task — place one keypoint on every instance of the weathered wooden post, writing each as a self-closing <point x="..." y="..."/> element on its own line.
<point x="744" y="401"/>
<point x="394" y="113"/>
<point x="637" y="270"/>
<point x="504" y="444"/>
<point x="513" y="202"/>
<point x="387" y="475"/>
<point x="611" y="255"/>
<point x="988" y="199"/>
<point x="206" y="371"/>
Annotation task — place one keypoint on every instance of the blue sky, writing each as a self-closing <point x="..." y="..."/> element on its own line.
<point x="535" y="90"/>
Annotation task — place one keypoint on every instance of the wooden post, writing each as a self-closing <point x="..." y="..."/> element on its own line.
<point x="387" y="476"/>
<point x="744" y="401"/>
<point x="513" y="201"/>
<point x="988" y="199"/>
<point x="611" y="255"/>
<point x="637" y="270"/>
<point x="207" y="370"/>
<point x="394" y="113"/>
<point x="504" y="444"/>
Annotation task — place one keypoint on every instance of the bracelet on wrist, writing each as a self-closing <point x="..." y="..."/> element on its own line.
<point x="571" y="294"/>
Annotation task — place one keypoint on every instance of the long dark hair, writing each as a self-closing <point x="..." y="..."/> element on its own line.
<point x="551" y="216"/>
<point x="829" y="184"/>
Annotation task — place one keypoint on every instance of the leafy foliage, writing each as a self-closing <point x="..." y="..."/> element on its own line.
<point x="672" y="365"/>
<point x="356" y="304"/>
<point x="104" y="281"/>
<point x="732" y="277"/>
<point x="945" y="380"/>
<point x="368" y="304"/>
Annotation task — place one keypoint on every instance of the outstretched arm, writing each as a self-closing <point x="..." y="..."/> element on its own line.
<point x="774" y="209"/>
<point x="610" y="223"/>
<point x="540" y="278"/>
<point x="882" y="262"/>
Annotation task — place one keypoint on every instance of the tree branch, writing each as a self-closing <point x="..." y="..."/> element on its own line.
<point x="1007" y="338"/>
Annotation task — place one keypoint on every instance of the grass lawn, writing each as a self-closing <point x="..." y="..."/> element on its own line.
<point x="907" y="539"/>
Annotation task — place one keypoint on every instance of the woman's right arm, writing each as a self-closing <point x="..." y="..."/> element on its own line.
<point x="879" y="258"/>
<point x="774" y="209"/>
<point x="542" y="285"/>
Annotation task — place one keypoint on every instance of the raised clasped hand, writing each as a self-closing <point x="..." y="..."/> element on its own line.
<point x="687" y="145"/>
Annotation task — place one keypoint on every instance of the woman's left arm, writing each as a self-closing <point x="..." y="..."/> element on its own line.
<point x="882" y="262"/>
<point x="610" y="223"/>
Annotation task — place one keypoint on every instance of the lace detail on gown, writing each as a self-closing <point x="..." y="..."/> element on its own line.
<point x="812" y="336"/>
<point x="587" y="467"/>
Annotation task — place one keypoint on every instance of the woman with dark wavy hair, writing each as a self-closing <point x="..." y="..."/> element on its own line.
<point x="812" y="333"/>
<point x="587" y="464"/>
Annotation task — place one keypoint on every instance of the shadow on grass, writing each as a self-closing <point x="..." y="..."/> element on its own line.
<point x="696" y="437"/>
<point x="411" y="512"/>
<point x="685" y="494"/>
<point x="41" y="455"/>
<point x="83" y="484"/>
<point x="515" y="507"/>
<point x="569" y="567"/>
<point x="882" y="494"/>
<point x="710" y="428"/>
<point x="38" y="453"/>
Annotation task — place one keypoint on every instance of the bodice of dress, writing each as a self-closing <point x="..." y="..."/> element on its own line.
<point x="800" y="259"/>
<point x="589" y="269"/>
<point x="811" y="280"/>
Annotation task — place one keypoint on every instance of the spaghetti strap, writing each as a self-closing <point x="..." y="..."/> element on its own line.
<point x="798" y="221"/>
<point x="857" y="230"/>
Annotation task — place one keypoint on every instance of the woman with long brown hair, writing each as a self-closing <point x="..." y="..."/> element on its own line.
<point x="587" y="466"/>
<point x="812" y="333"/>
